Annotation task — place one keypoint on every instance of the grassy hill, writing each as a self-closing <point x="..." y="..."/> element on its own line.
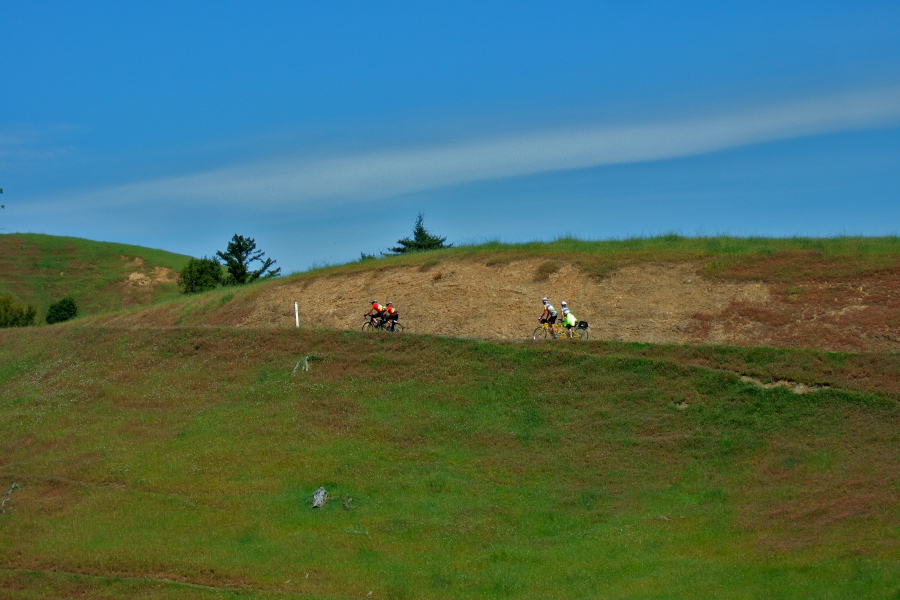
<point x="100" y="276"/>
<point x="180" y="463"/>
<point x="171" y="450"/>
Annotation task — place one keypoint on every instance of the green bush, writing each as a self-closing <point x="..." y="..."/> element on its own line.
<point x="16" y="315"/>
<point x="200" y="275"/>
<point x="61" y="311"/>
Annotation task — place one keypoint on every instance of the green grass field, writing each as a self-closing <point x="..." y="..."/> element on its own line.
<point x="178" y="462"/>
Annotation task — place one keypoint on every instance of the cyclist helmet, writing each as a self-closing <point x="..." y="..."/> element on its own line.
<point x="372" y="301"/>
<point x="545" y="300"/>
<point x="564" y="303"/>
<point x="390" y="303"/>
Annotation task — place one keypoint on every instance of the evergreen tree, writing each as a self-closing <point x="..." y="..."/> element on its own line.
<point x="422" y="239"/>
<point x="240" y="253"/>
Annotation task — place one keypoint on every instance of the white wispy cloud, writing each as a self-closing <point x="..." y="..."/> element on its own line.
<point x="392" y="171"/>
<point x="29" y="145"/>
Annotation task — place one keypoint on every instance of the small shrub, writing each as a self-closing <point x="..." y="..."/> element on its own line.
<point x="598" y="269"/>
<point x="200" y="275"/>
<point x="545" y="270"/>
<point x="61" y="311"/>
<point x="793" y="293"/>
<point x="13" y="314"/>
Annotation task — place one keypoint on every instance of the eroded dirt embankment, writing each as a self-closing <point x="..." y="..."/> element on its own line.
<point x="659" y="303"/>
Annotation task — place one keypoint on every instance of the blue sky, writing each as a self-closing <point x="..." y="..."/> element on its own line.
<point x="323" y="129"/>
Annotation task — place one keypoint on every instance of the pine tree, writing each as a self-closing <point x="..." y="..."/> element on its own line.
<point x="421" y="240"/>
<point x="240" y="253"/>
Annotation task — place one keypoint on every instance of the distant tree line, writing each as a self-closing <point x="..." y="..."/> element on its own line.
<point x="241" y="263"/>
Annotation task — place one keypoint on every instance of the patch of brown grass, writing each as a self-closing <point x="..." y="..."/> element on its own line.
<point x="701" y="327"/>
<point x="796" y="502"/>
<point x="792" y="266"/>
<point x="764" y="315"/>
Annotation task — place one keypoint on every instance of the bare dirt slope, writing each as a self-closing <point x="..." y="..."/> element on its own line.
<point x="659" y="303"/>
<point x="138" y="287"/>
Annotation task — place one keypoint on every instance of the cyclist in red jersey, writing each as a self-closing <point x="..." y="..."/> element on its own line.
<point x="376" y="310"/>
<point x="390" y="315"/>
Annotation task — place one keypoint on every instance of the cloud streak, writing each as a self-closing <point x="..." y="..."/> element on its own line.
<point x="30" y="146"/>
<point x="379" y="174"/>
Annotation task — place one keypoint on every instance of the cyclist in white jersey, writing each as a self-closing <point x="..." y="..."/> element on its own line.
<point x="549" y="316"/>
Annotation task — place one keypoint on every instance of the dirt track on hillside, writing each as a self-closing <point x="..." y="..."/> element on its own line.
<point x="658" y="303"/>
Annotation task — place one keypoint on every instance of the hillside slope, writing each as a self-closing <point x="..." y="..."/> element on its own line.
<point x="163" y="463"/>
<point x="171" y="450"/>
<point x="100" y="276"/>
<point x="840" y="294"/>
<point x="669" y="302"/>
<point x="656" y="301"/>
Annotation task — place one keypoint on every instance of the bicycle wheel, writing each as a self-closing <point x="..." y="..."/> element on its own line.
<point x="541" y="333"/>
<point x="398" y="328"/>
<point x="367" y="326"/>
<point x="580" y="334"/>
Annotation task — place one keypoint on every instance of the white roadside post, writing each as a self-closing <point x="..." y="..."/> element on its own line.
<point x="297" y="315"/>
